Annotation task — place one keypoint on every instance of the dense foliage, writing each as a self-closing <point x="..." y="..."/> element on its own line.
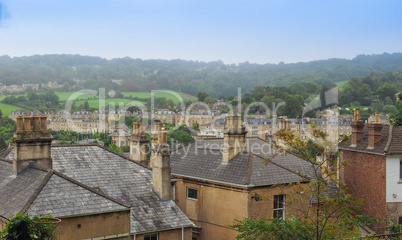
<point x="396" y="117"/>
<point x="23" y="227"/>
<point x="33" y="101"/>
<point x="7" y="129"/>
<point x="215" y="78"/>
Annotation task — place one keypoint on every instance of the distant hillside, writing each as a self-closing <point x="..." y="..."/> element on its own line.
<point x="189" y="77"/>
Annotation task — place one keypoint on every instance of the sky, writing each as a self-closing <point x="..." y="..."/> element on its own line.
<point x="258" y="31"/>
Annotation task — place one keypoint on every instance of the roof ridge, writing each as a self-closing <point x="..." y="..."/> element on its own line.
<point x="120" y="155"/>
<point x="90" y="189"/>
<point x="105" y="148"/>
<point x="390" y="131"/>
<point x="6" y="160"/>
<point x="288" y="169"/>
<point x="249" y="169"/>
<point x="74" y="145"/>
<point x="35" y="194"/>
<point x="184" y="146"/>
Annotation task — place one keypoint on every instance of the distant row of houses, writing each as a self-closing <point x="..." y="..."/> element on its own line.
<point x="210" y="124"/>
<point x="22" y="87"/>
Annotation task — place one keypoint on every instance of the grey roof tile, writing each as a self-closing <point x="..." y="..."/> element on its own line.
<point x="121" y="179"/>
<point x="203" y="160"/>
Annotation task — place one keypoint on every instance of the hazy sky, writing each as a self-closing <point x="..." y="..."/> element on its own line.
<point x="258" y="31"/>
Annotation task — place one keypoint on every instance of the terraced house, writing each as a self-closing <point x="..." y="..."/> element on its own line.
<point x="97" y="193"/>
<point x="219" y="180"/>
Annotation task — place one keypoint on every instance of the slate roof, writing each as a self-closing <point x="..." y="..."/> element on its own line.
<point x="37" y="191"/>
<point x="390" y="143"/>
<point x="203" y="160"/>
<point x="120" y="134"/>
<point x="121" y="179"/>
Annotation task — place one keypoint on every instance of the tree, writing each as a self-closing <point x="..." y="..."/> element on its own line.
<point x="23" y="227"/>
<point x="115" y="148"/>
<point x="389" y="109"/>
<point x="86" y="106"/>
<point x="66" y="87"/>
<point x="323" y="210"/>
<point x="201" y="96"/>
<point x="396" y="118"/>
<point x="386" y="90"/>
<point x="293" y="108"/>
<point x="1" y="114"/>
<point x="210" y="100"/>
<point x="258" y="92"/>
<point x="230" y="97"/>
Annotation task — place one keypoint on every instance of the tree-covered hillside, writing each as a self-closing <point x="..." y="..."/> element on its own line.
<point x="215" y="78"/>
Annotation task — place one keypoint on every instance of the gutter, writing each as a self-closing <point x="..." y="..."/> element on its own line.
<point x="162" y="230"/>
<point x="226" y="183"/>
<point x="361" y="151"/>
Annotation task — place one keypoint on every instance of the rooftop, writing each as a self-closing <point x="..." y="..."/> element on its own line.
<point x="118" y="178"/>
<point x="203" y="160"/>
<point x="390" y="143"/>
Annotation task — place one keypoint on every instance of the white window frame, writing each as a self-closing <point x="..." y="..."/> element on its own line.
<point x="277" y="208"/>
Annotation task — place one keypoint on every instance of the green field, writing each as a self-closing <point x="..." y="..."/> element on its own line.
<point x="340" y="85"/>
<point x="94" y="103"/>
<point x="5" y="108"/>
<point x="117" y="101"/>
<point x="63" y="96"/>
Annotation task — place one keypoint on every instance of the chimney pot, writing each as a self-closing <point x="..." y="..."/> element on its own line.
<point x="35" y="121"/>
<point x="27" y="123"/>
<point x="374" y="134"/>
<point x="376" y="118"/>
<point x="31" y="146"/>
<point x="234" y="137"/>
<point x="20" y="124"/>
<point x="357" y="132"/>
<point x="161" y="170"/>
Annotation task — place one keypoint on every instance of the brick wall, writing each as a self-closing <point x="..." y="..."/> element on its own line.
<point x="365" y="177"/>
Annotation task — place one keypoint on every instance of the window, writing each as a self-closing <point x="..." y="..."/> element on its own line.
<point x="192" y="193"/>
<point x="399" y="220"/>
<point x="279" y="207"/>
<point x="400" y="169"/>
<point x="151" y="237"/>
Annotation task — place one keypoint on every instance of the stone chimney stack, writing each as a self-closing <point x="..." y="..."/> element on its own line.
<point x="374" y="132"/>
<point x="32" y="146"/>
<point x="357" y="128"/>
<point x="154" y="140"/>
<point x="284" y="124"/>
<point x="161" y="170"/>
<point x="234" y="137"/>
<point x="138" y="145"/>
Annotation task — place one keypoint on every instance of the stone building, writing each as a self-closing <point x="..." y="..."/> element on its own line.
<point x="96" y="192"/>
<point x="165" y="116"/>
<point x="374" y="168"/>
<point x="219" y="180"/>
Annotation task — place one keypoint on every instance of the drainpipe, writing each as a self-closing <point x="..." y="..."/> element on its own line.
<point x="182" y="233"/>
